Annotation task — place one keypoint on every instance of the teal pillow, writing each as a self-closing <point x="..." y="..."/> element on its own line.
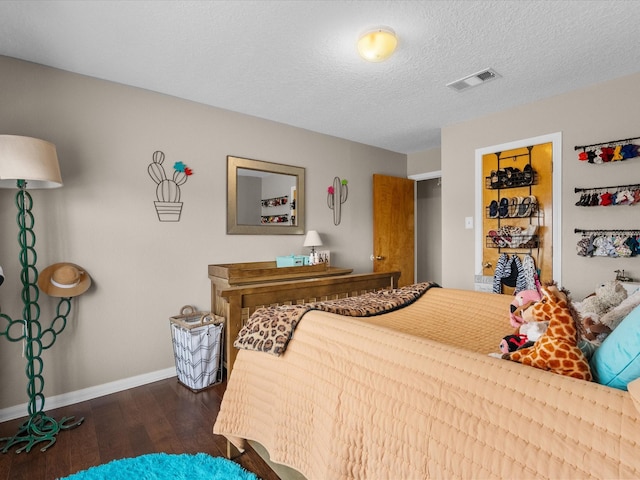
<point x="617" y="361"/>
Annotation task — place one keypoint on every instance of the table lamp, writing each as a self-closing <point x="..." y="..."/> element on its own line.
<point x="313" y="240"/>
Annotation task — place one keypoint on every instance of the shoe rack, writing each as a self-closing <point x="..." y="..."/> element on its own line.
<point x="513" y="203"/>
<point x="517" y="197"/>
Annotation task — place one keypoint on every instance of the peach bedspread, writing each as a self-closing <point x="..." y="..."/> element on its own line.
<point x="413" y="394"/>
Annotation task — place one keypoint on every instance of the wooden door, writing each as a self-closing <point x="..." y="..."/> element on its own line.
<point x="394" y="227"/>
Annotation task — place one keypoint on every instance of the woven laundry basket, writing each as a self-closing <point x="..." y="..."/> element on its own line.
<point x="197" y="338"/>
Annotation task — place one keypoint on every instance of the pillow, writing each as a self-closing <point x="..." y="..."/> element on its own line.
<point x="617" y="361"/>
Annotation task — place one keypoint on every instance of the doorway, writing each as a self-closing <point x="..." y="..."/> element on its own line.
<point x="429" y="231"/>
<point x="553" y="242"/>
<point x="428" y="226"/>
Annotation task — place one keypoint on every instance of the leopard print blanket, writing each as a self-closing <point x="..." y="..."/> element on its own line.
<point x="269" y="329"/>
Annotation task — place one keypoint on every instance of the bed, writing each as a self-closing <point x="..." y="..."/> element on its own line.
<point x="414" y="394"/>
<point x="239" y="289"/>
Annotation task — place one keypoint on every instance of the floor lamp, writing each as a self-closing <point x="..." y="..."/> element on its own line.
<point x="33" y="163"/>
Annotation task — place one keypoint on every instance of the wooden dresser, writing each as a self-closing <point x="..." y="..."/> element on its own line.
<point x="238" y="289"/>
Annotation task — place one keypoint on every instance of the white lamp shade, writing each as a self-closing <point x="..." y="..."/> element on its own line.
<point x="29" y="159"/>
<point x="312" y="239"/>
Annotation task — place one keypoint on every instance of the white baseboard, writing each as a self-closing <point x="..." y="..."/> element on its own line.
<point x="85" y="394"/>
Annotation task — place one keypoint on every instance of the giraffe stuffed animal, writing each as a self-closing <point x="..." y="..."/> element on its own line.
<point x="557" y="349"/>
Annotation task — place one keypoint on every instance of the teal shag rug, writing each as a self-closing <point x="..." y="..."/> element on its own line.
<point x="163" y="466"/>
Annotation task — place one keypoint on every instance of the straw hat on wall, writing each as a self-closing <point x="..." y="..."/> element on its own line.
<point x="64" y="280"/>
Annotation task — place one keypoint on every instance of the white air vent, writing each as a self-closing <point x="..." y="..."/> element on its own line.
<point x="477" y="78"/>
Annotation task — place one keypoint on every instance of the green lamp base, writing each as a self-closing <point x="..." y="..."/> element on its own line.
<point x="37" y="429"/>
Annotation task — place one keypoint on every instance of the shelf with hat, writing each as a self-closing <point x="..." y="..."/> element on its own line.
<point x="275" y="202"/>
<point x="274" y="218"/>
<point x="277" y="210"/>
<point x="609" y="196"/>
<point x="615" y="243"/>
<point x="609" y="152"/>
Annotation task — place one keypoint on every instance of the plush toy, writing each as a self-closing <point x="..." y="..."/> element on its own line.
<point x="614" y="316"/>
<point x="527" y="334"/>
<point x="511" y="343"/>
<point x="522" y="301"/>
<point x="557" y="349"/>
<point x="592" y="309"/>
<point x="607" y="296"/>
<point x="594" y="331"/>
<point x="533" y="330"/>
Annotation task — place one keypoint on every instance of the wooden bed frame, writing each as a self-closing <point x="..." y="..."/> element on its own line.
<point x="236" y="304"/>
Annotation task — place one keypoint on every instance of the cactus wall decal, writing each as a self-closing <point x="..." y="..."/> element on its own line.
<point x="168" y="204"/>
<point x="336" y="195"/>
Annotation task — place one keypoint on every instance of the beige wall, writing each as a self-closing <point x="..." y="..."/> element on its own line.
<point x="426" y="161"/>
<point x="601" y="113"/>
<point x="104" y="219"/>
<point x="145" y="270"/>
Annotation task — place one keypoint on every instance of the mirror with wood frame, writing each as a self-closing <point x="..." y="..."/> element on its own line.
<point x="264" y="198"/>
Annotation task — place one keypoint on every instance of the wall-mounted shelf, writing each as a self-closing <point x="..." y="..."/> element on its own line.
<point x="607" y="231"/>
<point x="615" y="243"/>
<point x="264" y="219"/>
<point x="606" y="196"/>
<point x="608" y="152"/>
<point x="275" y="201"/>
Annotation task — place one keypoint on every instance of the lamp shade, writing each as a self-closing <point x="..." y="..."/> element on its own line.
<point x="312" y="239"/>
<point x="377" y="44"/>
<point x="29" y="159"/>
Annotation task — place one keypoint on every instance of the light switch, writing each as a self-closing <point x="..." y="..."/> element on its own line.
<point x="468" y="222"/>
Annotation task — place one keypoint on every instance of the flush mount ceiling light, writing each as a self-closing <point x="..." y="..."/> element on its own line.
<point x="474" y="80"/>
<point x="377" y="44"/>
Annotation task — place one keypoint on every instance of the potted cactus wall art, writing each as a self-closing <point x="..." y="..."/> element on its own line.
<point x="168" y="204"/>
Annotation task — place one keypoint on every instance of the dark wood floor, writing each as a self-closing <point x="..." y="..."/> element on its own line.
<point x="159" y="417"/>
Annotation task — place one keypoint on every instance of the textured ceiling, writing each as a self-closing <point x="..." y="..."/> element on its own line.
<point x="295" y="62"/>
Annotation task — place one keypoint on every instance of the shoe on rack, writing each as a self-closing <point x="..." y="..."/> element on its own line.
<point x="527" y="174"/>
<point x="514" y="206"/>
<point x="527" y="234"/>
<point x="503" y="209"/>
<point x="493" y="209"/>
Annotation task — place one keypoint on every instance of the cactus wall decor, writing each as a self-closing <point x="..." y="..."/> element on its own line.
<point x="336" y="195"/>
<point x="168" y="204"/>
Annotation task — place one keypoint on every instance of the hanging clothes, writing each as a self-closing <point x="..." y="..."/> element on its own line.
<point x="501" y="266"/>
<point x="508" y="272"/>
<point x="529" y="274"/>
